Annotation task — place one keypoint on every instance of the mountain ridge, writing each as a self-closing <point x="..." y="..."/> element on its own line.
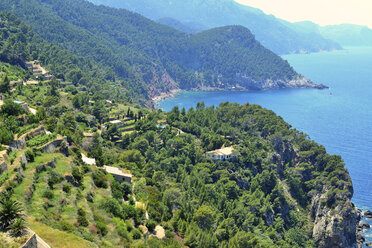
<point x="170" y="59"/>
<point x="345" y="34"/>
<point x="270" y="31"/>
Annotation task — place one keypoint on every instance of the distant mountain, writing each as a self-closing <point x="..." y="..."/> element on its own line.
<point x="186" y="27"/>
<point x="152" y="57"/>
<point x="344" y="34"/>
<point x="272" y="32"/>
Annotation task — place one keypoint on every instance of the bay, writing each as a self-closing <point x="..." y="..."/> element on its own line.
<point x="340" y="118"/>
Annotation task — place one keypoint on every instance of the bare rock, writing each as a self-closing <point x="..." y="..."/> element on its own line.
<point x="368" y="214"/>
<point x="334" y="226"/>
<point x="363" y="225"/>
<point x="3" y="167"/>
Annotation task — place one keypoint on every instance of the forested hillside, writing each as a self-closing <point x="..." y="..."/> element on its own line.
<point x="155" y="58"/>
<point x="283" y="190"/>
<point x="275" y="34"/>
<point x="56" y="135"/>
<point x="19" y="44"/>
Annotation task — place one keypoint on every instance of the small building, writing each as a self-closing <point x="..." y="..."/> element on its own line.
<point x="32" y="82"/>
<point x="224" y="154"/>
<point x="48" y="76"/>
<point x="12" y="83"/>
<point x="89" y="136"/>
<point x="118" y="123"/>
<point x="118" y="174"/>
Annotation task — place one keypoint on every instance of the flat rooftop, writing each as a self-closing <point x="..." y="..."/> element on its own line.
<point x="115" y="121"/>
<point x="223" y="151"/>
<point x="116" y="171"/>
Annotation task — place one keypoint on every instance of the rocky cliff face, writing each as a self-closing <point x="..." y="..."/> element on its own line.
<point x="334" y="227"/>
<point x="334" y="216"/>
<point x="299" y="82"/>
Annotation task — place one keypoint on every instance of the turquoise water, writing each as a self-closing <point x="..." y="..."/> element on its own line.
<point x="340" y="118"/>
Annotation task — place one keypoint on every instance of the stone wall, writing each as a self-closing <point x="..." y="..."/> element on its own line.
<point x="35" y="132"/>
<point x="31" y="243"/>
<point x="18" y="144"/>
<point x="58" y="143"/>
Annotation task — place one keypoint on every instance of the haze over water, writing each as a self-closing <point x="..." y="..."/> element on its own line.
<point x="339" y="118"/>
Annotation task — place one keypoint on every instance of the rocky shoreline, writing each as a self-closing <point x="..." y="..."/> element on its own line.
<point x="300" y="83"/>
<point x="362" y="227"/>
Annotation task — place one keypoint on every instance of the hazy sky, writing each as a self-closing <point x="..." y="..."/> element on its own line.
<point x="323" y="12"/>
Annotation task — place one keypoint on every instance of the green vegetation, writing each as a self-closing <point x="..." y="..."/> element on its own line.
<point x="261" y="199"/>
<point x="151" y="58"/>
<point x="11" y="216"/>
<point x="40" y="140"/>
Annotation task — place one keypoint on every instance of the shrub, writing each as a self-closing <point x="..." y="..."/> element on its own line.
<point x="10" y="210"/>
<point x="5" y="136"/>
<point x="18" y="227"/>
<point x="3" y="178"/>
<point x="66" y="226"/>
<point x="48" y="194"/>
<point x="66" y="188"/>
<point x="151" y="224"/>
<point x="129" y="211"/>
<point x="78" y="176"/>
<point x="112" y="206"/>
<point x="100" y="179"/>
<point x="30" y="156"/>
<point x="82" y="217"/>
<point x="54" y="178"/>
<point x="127" y="188"/>
<point x="11" y="108"/>
<point x="90" y="197"/>
<point x="102" y="228"/>
<point x="169" y="234"/>
<point x="136" y="234"/>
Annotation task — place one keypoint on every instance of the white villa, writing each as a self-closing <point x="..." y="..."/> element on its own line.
<point x="225" y="153"/>
<point x="118" y="174"/>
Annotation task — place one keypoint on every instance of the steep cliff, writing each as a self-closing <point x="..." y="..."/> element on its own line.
<point x="334" y="217"/>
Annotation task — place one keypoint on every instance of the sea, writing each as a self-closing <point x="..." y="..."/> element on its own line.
<point x="340" y="118"/>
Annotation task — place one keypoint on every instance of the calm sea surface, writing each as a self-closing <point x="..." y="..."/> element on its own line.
<point x="340" y="118"/>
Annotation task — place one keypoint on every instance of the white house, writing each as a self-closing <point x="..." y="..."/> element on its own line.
<point x="118" y="174"/>
<point x="225" y="153"/>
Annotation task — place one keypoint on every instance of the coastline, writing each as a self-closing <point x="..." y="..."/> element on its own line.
<point x="302" y="83"/>
<point x="164" y="95"/>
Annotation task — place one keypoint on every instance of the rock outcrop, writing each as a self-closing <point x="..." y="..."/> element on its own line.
<point x="336" y="225"/>
<point x="368" y="214"/>
<point x="3" y="167"/>
<point x="53" y="145"/>
<point x="334" y="216"/>
<point x="18" y="144"/>
<point x="300" y="82"/>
